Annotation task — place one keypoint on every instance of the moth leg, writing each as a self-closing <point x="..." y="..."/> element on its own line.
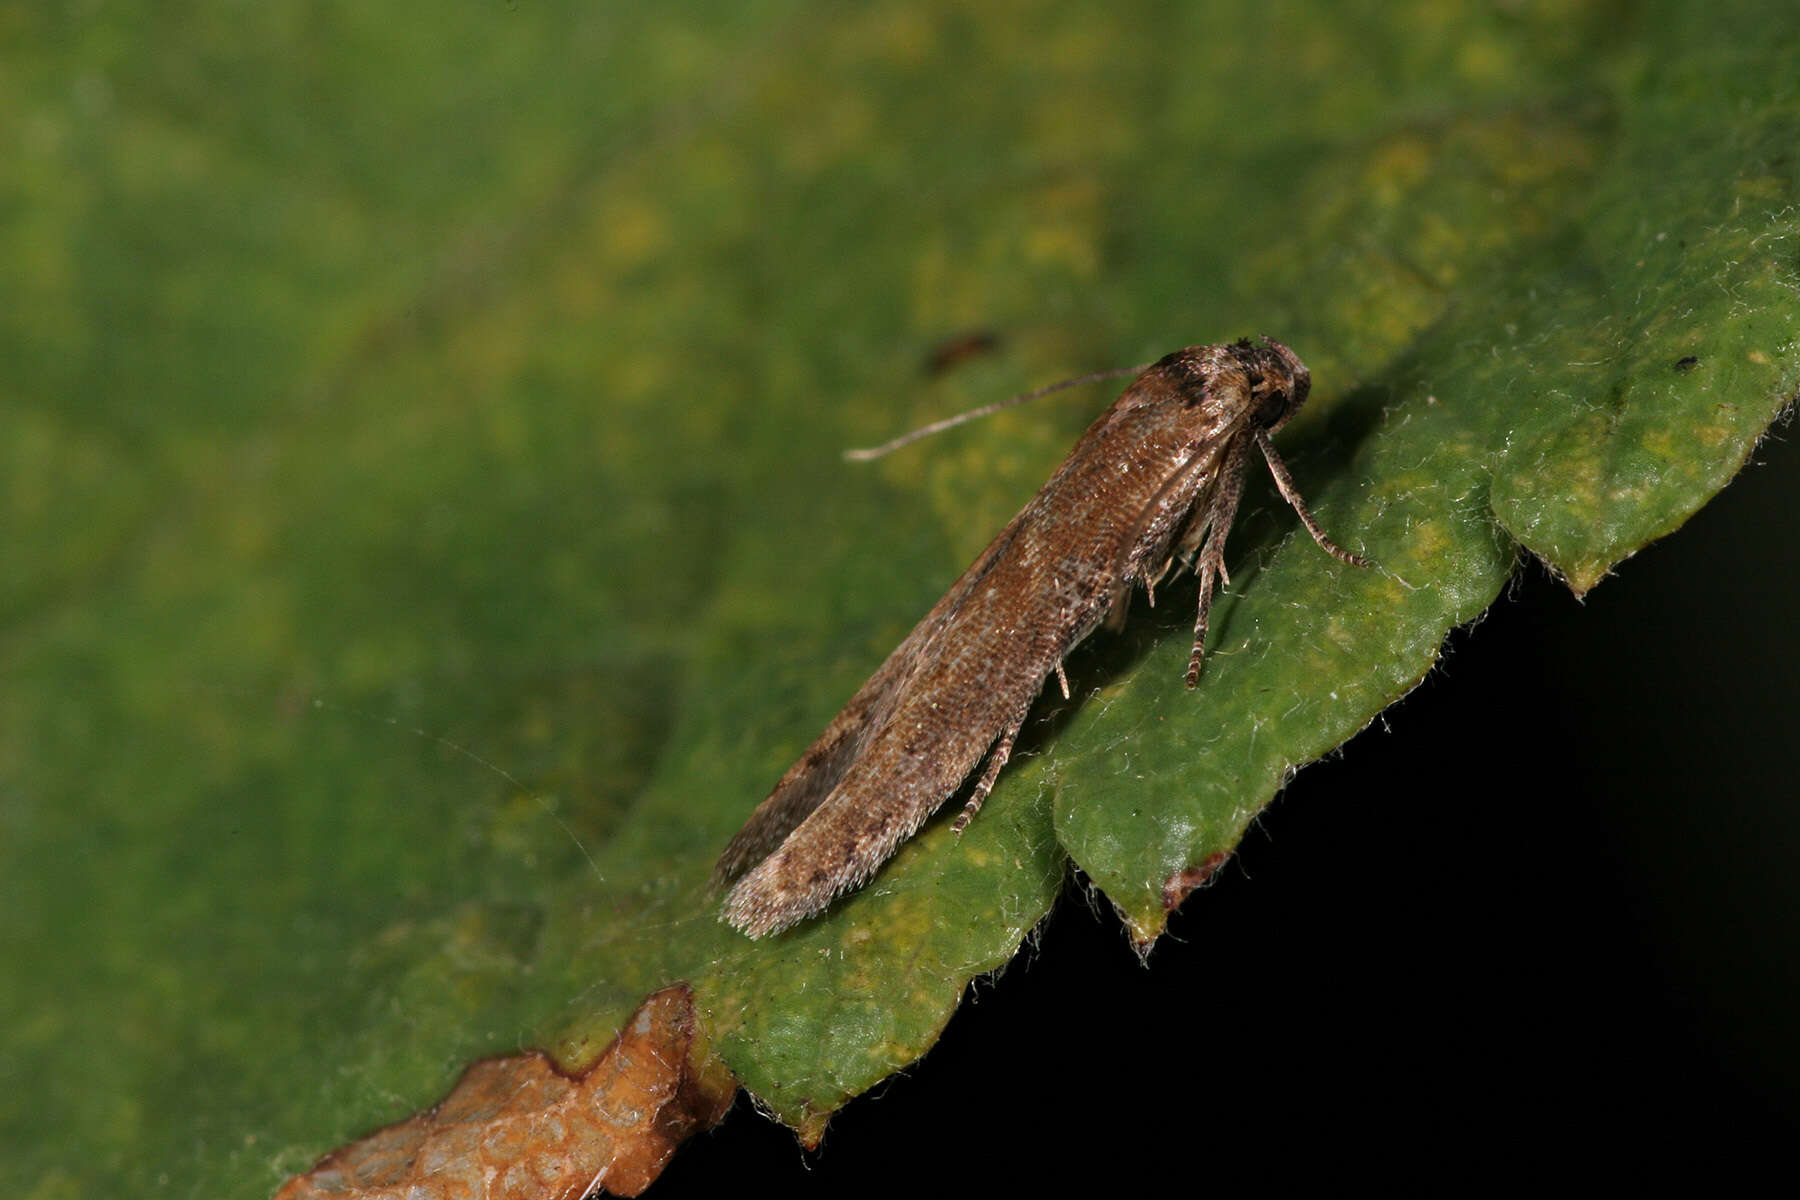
<point x="1221" y="507"/>
<point x="1191" y="541"/>
<point x="1284" y="483"/>
<point x="1062" y="677"/>
<point x="1152" y="578"/>
<point x="1002" y="750"/>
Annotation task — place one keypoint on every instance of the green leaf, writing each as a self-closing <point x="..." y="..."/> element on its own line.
<point x="427" y="537"/>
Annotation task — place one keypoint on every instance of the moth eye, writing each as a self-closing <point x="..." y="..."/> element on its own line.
<point x="1274" y="406"/>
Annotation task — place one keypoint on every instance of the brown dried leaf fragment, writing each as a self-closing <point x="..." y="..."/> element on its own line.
<point x="517" y="1128"/>
<point x="1180" y="883"/>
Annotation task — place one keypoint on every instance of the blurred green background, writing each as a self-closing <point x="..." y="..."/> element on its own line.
<point x="422" y="536"/>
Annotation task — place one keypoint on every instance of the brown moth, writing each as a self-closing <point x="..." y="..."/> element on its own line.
<point x="1156" y="478"/>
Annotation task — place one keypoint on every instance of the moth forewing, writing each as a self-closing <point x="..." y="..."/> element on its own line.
<point x="1159" y="473"/>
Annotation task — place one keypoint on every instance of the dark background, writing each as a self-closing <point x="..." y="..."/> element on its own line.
<point x="1537" y="920"/>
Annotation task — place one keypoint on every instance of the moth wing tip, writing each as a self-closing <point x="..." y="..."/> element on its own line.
<point x="752" y="913"/>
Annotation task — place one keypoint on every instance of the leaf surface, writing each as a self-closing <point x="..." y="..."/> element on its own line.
<point x="427" y="537"/>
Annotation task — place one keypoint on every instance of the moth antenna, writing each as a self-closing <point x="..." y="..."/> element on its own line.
<point x="925" y="431"/>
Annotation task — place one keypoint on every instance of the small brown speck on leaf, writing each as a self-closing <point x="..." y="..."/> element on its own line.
<point x="516" y="1128"/>
<point x="954" y="351"/>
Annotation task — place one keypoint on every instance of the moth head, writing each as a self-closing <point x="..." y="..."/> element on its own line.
<point x="1278" y="382"/>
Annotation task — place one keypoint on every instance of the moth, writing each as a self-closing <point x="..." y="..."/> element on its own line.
<point x="1155" y="480"/>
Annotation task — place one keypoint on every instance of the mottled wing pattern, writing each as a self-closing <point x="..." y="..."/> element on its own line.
<point x="935" y="734"/>
<point x="1158" y="475"/>
<point x="819" y="771"/>
<point x="962" y="684"/>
